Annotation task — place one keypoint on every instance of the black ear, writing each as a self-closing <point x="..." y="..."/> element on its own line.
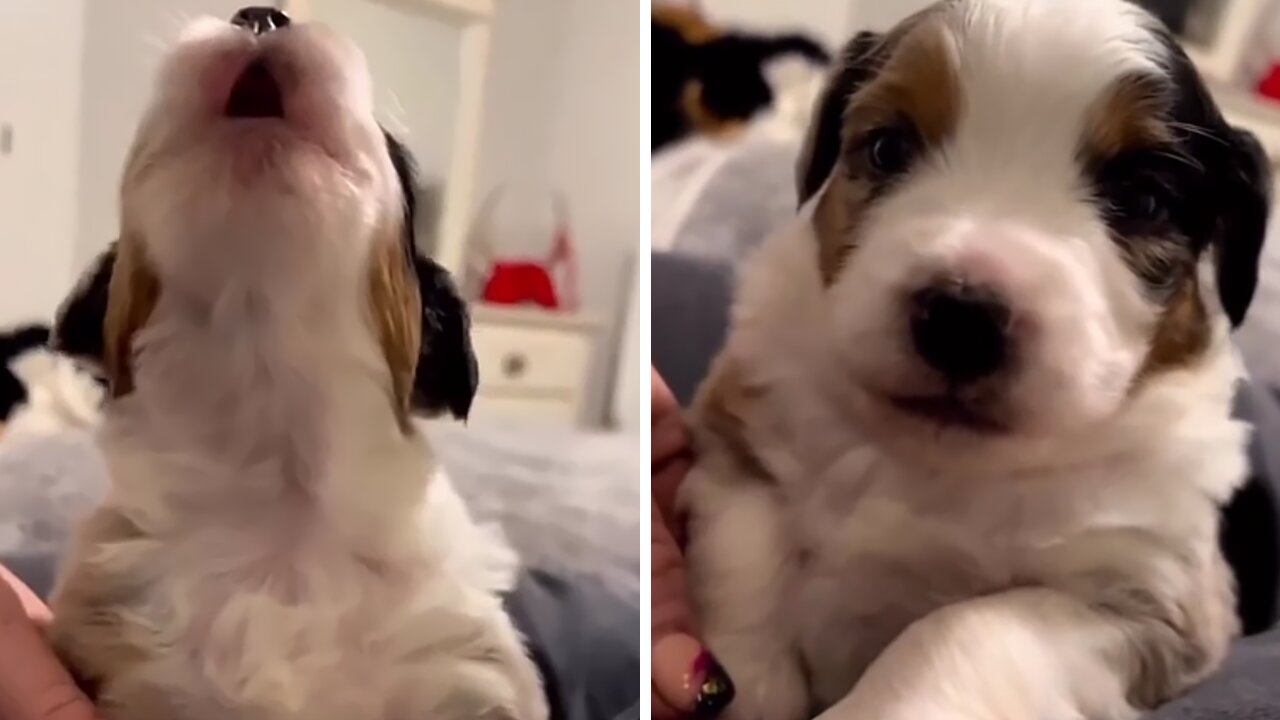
<point x="447" y="375"/>
<point x="859" y="61"/>
<point x="1247" y="205"/>
<point x="78" y="329"/>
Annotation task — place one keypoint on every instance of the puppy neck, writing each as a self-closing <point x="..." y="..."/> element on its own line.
<point x="252" y="401"/>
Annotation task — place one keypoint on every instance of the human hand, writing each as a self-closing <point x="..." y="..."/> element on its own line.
<point x="687" y="681"/>
<point x="33" y="685"/>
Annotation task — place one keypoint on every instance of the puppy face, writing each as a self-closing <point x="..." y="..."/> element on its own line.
<point x="1025" y="211"/>
<point x="260" y="185"/>
<point x="259" y="152"/>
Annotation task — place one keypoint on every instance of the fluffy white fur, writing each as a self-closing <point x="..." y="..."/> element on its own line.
<point x="893" y="569"/>
<point x="286" y="556"/>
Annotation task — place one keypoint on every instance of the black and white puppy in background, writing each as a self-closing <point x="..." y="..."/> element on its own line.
<point x="278" y="541"/>
<point x="15" y="343"/>
<point x="42" y="391"/>
<point x="965" y="451"/>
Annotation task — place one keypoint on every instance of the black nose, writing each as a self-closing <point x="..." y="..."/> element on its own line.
<point x="960" y="330"/>
<point x="260" y="20"/>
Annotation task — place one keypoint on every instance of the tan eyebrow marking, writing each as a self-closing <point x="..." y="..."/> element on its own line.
<point x="1130" y="114"/>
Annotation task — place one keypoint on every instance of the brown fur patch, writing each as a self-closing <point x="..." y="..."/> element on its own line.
<point x="1130" y="114"/>
<point x="835" y="223"/>
<point x="131" y="297"/>
<point x="1182" y="333"/>
<point x="396" y="309"/>
<point x="722" y="409"/>
<point x="919" y="82"/>
<point x="690" y="23"/>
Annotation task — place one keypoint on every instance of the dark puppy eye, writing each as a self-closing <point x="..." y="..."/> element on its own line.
<point x="890" y="150"/>
<point x="1145" y="202"/>
<point x="1161" y="264"/>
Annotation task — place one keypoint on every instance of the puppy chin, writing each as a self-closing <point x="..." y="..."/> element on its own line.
<point x="257" y="155"/>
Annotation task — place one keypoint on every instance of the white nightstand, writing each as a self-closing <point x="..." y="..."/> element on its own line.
<point x="533" y="364"/>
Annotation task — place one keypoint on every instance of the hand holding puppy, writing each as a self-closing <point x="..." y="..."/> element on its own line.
<point x="33" y="685"/>
<point x="687" y="681"/>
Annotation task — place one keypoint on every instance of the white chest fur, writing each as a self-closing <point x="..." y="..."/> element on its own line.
<point x="880" y="550"/>
<point x="859" y="548"/>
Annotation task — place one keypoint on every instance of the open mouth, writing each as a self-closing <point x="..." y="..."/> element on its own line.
<point x="949" y="410"/>
<point x="256" y="94"/>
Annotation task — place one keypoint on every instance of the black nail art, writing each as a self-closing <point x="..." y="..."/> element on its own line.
<point x="715" y="689"/>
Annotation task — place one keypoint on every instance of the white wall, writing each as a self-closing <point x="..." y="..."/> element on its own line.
<point x="40" y="46"/>
<point x="525" y="50"/>
<point x="832" y="20"/>
<point x="414" y="63"/>
<point x="596" y="152"/>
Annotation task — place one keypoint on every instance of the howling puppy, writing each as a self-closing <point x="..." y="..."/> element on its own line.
<point x="278" y="543"/>
<point x="964" y="453"/>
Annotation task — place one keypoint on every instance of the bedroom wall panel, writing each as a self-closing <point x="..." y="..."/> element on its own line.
<point x="595" y="155"/>
<point x="40" y="46"/>
<point x="827" y="19"/>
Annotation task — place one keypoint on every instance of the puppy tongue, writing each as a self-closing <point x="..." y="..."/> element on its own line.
<point x="256" y="94"/>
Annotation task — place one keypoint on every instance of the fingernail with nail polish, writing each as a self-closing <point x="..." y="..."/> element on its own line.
<point x="714" y="688"/>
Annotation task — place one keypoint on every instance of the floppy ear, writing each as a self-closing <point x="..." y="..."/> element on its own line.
<point x="447" y="374"/>
<point x="859" y="61"/>
<point x="1244" y="223"/>
<point x="444" y="372"/>
<point x="131" y="296"/>
<point x="78" y="328"/>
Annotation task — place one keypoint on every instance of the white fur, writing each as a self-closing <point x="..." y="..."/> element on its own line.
<point x="297" y="561"/>
<point x="876" y="576"/>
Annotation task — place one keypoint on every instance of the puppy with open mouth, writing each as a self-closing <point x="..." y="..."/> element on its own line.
<point x="278" y="542"/>
<point x="964" y="453"/>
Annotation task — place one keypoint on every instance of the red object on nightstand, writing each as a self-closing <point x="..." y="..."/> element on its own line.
<point x="1269" y="85"/>
<point x="530" y="281"/>
<point x="527" y="282"/>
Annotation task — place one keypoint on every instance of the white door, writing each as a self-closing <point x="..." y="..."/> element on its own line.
<point x="40" y="53"/>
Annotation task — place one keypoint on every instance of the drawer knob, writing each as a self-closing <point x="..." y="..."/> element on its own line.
<point x="514" y="365"/>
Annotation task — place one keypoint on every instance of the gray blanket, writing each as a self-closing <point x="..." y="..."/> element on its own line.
<point x="1247" y="687"/>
